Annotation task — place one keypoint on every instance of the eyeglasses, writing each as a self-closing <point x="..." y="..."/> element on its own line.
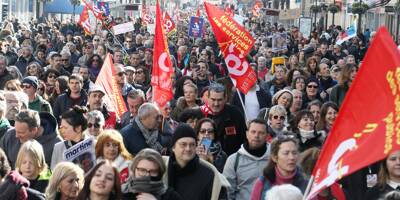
<point x="121" y="73"/>
<point x="95" y="125"/>
<point x="145" y="172"/>
<point x="139" y="72"/>
<point x="51" y="76"/>
<point x="312" y="86"/>
<point x="27" y="86"/>
<point x="204" y="131"/>
<point x="64" y="60"/>
<point x="96" y="40"/>
<point x="95" y="60"/>
<point x="279" y="117"/>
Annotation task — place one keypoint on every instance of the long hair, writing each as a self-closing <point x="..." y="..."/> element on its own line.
<point x="324" y="111"/>
<point x="269" y="170"/>
<point x="113" y="136"/>
<point x="115" y="194"/>
<point x="309" y="70"/>
<point x="346" y="73"/>
<point x="62" y="171"/>
<point x="201" y="122"/>
<point x="33" y="149"/>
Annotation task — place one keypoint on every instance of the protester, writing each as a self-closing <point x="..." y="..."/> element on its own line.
<point x="145" y="181"/>
<point x="96" y="123"/>
<point x="66" y="182"/>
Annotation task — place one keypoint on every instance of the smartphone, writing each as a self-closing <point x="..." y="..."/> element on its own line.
<point x="206" y="142"/>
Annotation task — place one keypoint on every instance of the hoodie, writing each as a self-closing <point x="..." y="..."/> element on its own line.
<point x="49" y="137"/>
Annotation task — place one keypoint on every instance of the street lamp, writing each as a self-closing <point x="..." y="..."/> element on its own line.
<point x="324" y="8"/>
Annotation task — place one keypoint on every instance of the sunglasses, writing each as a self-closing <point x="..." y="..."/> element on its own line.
<point x="64" y="60"/>
<point x="95" y="60"/>
<point x="96" y="40"/>
<point x="26" y="86"/>
<point x="278" y="117"/>
<point x="312" y="86"/>
<point x="51" y="76"/>
<point x="96" y="125"/>
<point x="139" y="72"/>
<point x="204" y="131"/>
<point x="121" y="73"/>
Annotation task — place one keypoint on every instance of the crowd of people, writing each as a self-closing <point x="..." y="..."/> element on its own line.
<point x="209" y="142"/>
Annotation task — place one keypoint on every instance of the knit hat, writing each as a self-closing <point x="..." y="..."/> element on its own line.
<point x="31" y="80"/>
<point x="312" y="80"/>
<point x="183" y="130"/>
<point x="278" y="94"/>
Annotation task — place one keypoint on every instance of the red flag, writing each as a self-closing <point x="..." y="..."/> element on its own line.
<point x="162" y="65"/>
<point x="235" y="43"/>
<point x="366" y="129"/>
<point x="198" y="12"/>
<point x="98" y="13"/>
<point x="169" y="25"/>
<point x="256" y="8"/>
<point x="84" y="21"/>
<point x="106" y="79"/>
<point x="229" y="11"/>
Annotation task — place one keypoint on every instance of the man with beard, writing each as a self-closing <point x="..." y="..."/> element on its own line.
<point x="56" y="64"/>
<point x="96" y="102"/>
<point x="25" y="59"/>
<point x="16" y="102"/>
<point x="87" y="83"/>
<point x="74" y="96"/>
<point x="200" y="75"/>
<point x="8" y="53"/>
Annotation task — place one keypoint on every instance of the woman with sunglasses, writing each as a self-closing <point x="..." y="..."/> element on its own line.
<point x="312" y="91"/>
<point x="94" y="63"/>
<point x="209" y="148"/>
<point x="50" y="77"/>
<point x="281" y="168"/>
<point x="110" y="146"/>
<point x="276" y="118"/>
<point x="304" y="128"/>
<point x="145" y="181"/>
<point x="95" y="123"/>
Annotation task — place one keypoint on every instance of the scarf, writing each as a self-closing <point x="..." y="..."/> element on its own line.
<point x="151" y="137"/>
<point x="259" y="152"/>
<point x="280" y="179"/>
<point x="146" y="184"/>
<point x="306" y="135"/>
<point x="206" y="110"/>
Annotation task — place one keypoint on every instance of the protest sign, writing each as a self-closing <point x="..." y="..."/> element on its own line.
<point x="279" y="42"/>
<point x="82" y="154"/>
<point x="123" y="28"/>
<point x="305" y="26"/>
<point x="196" y="27"/>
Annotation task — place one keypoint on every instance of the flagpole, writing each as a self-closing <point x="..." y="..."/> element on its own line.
<point x="307" y="192"/>
<point x="244" y="109"/>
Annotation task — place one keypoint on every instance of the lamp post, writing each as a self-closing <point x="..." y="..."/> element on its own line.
<point x="324" y="8"/>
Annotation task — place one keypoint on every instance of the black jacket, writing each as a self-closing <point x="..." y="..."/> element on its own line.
<point x="64" y="102"/>
<point x="193" y="182"/>
<point x="231" y="128"/>
<point x="263" y="98"/>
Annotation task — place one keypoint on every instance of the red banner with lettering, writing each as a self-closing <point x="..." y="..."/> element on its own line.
<point x="84" y="21"/>
<point x="169" y="25"/>
<point x="235" y="43"/>
<point x="367" y="128"/>
<point x="106" y="79"/>
<point x="256" y="8"/>
<point x="162" y="65"/>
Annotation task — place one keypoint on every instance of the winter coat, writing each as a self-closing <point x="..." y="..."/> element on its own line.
<point x="64" y="102"/>
<point x="241" y="170"/>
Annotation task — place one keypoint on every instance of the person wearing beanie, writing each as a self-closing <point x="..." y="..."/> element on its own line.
<point x="244" y="167"/>
<point x="188" y="175"/>
<point x="312" y="91"/>
<point x="30" y="86"/>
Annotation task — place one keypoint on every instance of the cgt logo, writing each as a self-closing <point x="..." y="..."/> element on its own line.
<point x="235" y="65"/>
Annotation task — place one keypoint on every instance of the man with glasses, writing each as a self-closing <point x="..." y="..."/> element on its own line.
<point x="4" y="73"/>
<point x="244" y="167"/>
<point x="26" y="58"/>
<point x="16" y="102"/>
<point x="8" y="53"/>
<point x="129" y="45"/>
<point x="190" y="176"/>
<point x="66" y="62"/>
<point x="124" y="86"/>
<point x="57" y="64"/>
<point x="96" y="102"/>
<point x="30" y="86"/>
<point x="88" y="51"/>
<point x="143" y="131"/>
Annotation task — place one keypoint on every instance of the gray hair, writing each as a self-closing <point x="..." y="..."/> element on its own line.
<point x="97" y="116"/>
<point x="136" y="93"/>
<point x="20" y="96"/>
<point x="30" y="117"/>
<point x="277" y="109"/>
<point x="216" y="87"/>
<point x="284" y="192"/>
<point x="147" y="108"/>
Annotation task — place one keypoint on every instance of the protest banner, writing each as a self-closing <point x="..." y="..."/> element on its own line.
<point x="364" y="122"/>
<point x="279" y="42"/>
<point x="104" y="7"/>
<point x="196" y="27"/>
<point x="84" y="21"/>
<point x="169" y="25"/>
<point x="106" y="79"/>
<point x="257" y="8"/>
<point x="348" y="34"/>
<point x="235" y="43"/>
<point x="305" y="26"/>
<point x="162" y="65"/>
<point x="82" y="154"/>
<point x="123" y="28"/>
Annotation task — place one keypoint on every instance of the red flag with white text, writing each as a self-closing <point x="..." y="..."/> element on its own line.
<point x="162" y="65"/>
<point x="107" y="80"/>
<point x="84" y="21"/>
<point x="169" y="25"/>
<point x="366" y="129"/>
<point x="235" y="43"/>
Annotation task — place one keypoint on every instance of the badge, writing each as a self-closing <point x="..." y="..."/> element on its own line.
<point x="231" y="130"/>
<point x="372" y="179"/>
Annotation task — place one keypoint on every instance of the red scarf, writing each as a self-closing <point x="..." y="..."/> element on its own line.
<point x="206" y="110"/>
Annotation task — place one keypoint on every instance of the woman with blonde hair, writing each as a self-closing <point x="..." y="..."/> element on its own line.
<point x="31" y="164"/>
<point x="66" y="182"/>
<point x="13" y="85"/>
<point x="110" y="146"/>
